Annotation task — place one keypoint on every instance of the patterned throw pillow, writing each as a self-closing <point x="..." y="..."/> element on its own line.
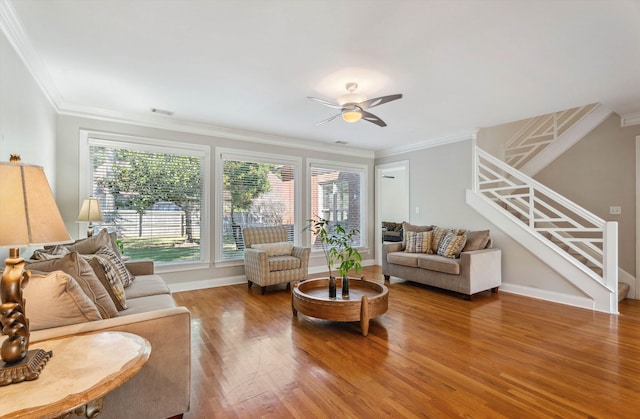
<point x="109" y="278"/>
<point x="118" y="265"/>
<point x="439" y="233"/>
<point x="451" y="245"/>
<point x="418" y="242"/>
<point x="51" y="252"/>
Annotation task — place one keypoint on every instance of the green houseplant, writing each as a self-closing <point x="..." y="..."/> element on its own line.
<point x="336" y="245"/>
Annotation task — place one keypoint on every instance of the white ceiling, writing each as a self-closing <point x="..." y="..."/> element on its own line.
<point x="250" y="64"/>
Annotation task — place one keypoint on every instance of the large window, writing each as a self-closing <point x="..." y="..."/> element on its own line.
<point x="255" y="189"/>
<point x="337" y="195"/>
<point x="151" y="194"/>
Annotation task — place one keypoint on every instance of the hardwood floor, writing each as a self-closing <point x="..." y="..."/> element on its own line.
<point x="432" y="354"/>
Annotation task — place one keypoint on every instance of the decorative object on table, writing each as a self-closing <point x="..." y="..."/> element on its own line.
<point x="336" y="245"/>
<point x="28" y="216"/>
<point x="91" y="212"/>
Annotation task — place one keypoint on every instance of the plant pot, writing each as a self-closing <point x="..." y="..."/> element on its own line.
<point x="345" y="287"/>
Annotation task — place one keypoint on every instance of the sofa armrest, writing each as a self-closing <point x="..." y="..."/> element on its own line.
<point x="162" y="388"/>
<point x="386" y="249"/>
<point x="140" y="267"/>
<point x="483" y="268"/>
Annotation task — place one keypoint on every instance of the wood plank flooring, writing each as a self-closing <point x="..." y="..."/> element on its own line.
<point x="431" y="355"/>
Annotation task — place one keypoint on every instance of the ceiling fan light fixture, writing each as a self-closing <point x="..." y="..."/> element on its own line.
<point x="351" y="116"/>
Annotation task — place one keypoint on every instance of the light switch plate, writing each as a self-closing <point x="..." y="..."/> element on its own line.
<point x="615" y="210"/>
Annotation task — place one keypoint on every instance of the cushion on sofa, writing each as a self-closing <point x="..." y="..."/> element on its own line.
<point x="92" y="244"/>
<point x="439" y="264"/>
<point x="418" y="242"/>
<point x="148" y="304"/>
<point x="438" y="234"/>
<point x="109" y="278"/>
<point x="406" y="227"/>
<point x="83" y="273"/>
<point x="117" y="264"/>
<point x="451" y="245"/>
<point x="146" y="285"/>
<point x="476" y="240"/>
<point x="404" y="259"/>
<point x="55" y="299"/>
<point x="274" y="249"/>
<point x="283" y="263"/>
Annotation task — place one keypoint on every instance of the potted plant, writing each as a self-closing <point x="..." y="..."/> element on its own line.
<point x="336" y="245"/>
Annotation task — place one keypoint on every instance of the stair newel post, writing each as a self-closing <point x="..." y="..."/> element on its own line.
<point x="610" y="255"/>
<point x="532" y="223"/>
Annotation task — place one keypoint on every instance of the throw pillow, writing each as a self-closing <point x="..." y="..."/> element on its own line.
<point x="418" y="242"/>
<point x="116" y="262"/>
<point x="439" y="233"/>
<point x="52" y="252"/>
<point x="275" y="249"/>
<point x="82" y="272"/>
<point x="476" y="240"/>
<point x="108" y="275"/>
<point x="406" y="227"/>
<point x="92" y="244"/>
<point x="55" y="299"/>
<point x="451" y="245"/>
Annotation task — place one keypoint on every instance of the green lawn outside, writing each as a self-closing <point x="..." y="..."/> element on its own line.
<point x="160" y="249"/>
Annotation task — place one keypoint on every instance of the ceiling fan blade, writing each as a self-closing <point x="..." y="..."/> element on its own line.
<point x="325" y="103"/>
<point x="378" y="101"/>
<point x="372" y="118"/>
<point x="328" y="120"/>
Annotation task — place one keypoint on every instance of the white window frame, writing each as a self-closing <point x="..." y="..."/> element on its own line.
<point x="89" y="137"/>
<point x="363" y="169"/>
<point x="224" y="153"/>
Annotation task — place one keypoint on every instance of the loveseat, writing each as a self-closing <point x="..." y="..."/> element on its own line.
<point x="453" y="259"/>
<point x="162" y="388"/>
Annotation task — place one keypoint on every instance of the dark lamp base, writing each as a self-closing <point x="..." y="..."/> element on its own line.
<point x="26" y="370"/>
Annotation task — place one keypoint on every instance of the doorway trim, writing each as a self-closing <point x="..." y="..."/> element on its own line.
<point x="379" y="168"/>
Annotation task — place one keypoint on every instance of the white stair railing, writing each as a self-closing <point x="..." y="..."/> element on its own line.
<point x="584" y="238"/>
<point x="540" y="132"/>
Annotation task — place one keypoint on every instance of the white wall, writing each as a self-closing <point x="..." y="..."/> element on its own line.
<point x="438" y="179"/>
<point x="27" y="119"/>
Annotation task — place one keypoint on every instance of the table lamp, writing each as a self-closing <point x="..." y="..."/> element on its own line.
<point x="28" y="216"/>
<point x="90" y="211"/>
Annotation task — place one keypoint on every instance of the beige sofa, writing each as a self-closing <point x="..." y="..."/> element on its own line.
<point x="162" y="388"/>
<point x="472" y="271"/>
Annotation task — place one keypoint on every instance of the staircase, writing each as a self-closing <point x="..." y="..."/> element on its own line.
<point x="542" y="139"/>
<point x="576" y="243"/>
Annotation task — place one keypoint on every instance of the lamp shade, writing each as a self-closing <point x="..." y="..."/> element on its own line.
<point x="90" y="211"/>
<point x="28" y="211"/>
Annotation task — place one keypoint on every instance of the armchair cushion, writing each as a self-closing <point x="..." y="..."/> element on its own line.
<point x="283" y="263"/>
<point x="275" y="249"/>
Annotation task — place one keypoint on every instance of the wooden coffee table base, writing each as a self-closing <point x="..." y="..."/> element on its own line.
<point x="366" y="301"/>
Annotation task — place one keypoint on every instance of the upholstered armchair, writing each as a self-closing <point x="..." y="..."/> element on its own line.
<point x="269" y="259"/>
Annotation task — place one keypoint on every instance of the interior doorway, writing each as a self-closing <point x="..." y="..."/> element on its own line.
<point x="392" y="197"/>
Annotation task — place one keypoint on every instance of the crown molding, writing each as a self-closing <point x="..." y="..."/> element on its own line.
<point x="630" y="119"/>
<point x="18" y="38"/>
<point x="467" y="135"/>
<point x="168" y="123"/>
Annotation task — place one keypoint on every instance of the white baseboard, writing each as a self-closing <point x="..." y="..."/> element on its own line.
<point x="555" y="297"/>
<point x="238" y="279"/>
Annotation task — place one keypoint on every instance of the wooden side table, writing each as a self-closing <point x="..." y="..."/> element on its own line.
<point x="82" y="370"/>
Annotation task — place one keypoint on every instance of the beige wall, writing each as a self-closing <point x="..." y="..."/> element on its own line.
<point x="27" y="119"/>
<point x="599" y="172"/>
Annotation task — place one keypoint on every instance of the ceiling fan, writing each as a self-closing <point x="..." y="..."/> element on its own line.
<point x="353" y="106"/>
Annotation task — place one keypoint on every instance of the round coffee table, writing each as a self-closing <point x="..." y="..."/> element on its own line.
<point x="366" y="301"/>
